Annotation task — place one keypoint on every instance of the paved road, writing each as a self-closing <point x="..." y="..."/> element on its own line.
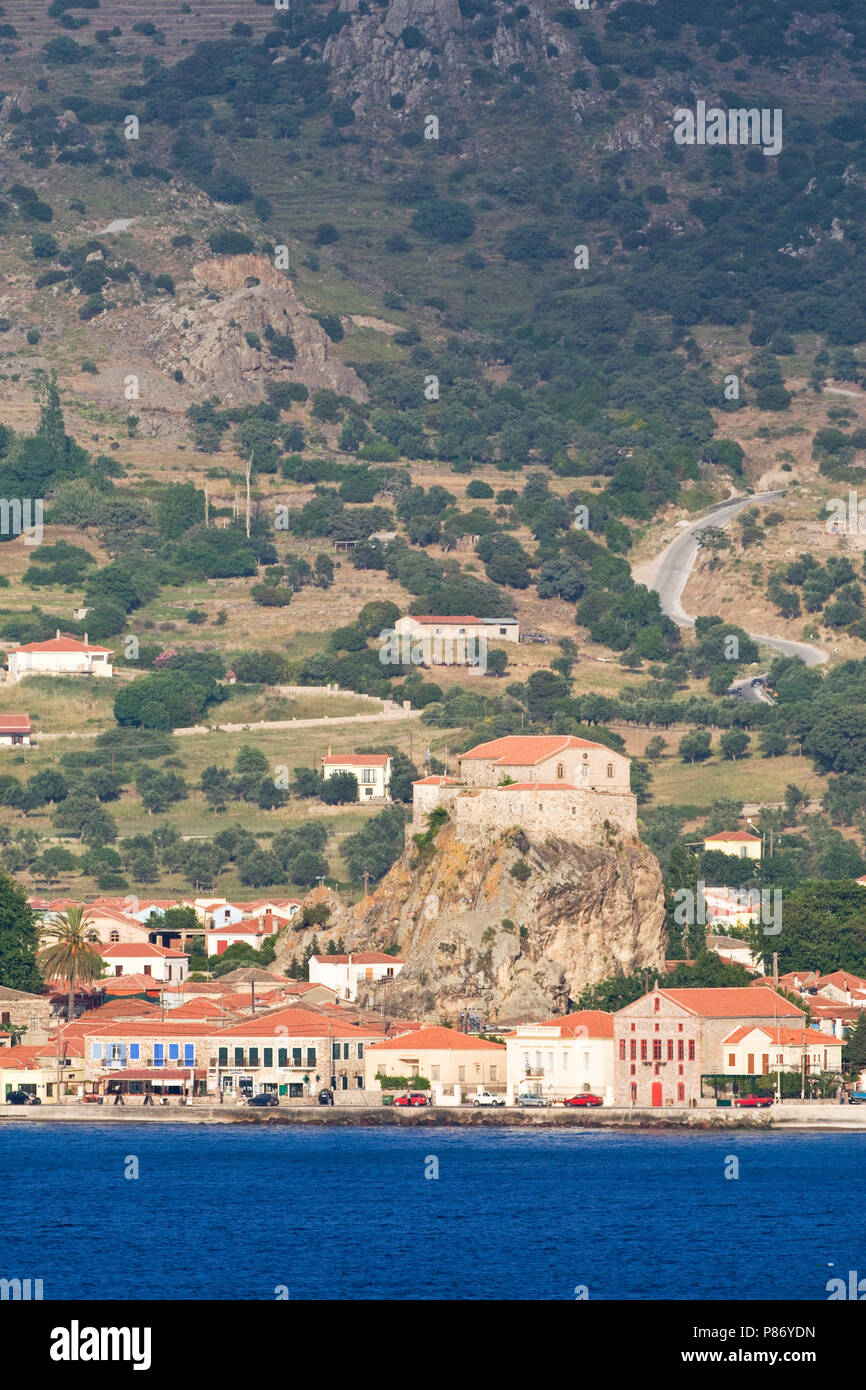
<point x="669" y="574"/>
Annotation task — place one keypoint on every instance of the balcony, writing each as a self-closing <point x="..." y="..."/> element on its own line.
<point x="533" y="1073"/>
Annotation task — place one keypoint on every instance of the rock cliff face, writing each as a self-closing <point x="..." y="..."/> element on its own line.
<point x="372" y="45"/>
<point x="209" y="343"/>
<point x="475" y="937"/>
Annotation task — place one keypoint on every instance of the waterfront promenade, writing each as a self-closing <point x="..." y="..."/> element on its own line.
<point x="791" y="1115"/>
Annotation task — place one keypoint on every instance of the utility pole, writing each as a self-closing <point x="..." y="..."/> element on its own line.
<point x="775" y="970"/>
<point x="249" y="471"/>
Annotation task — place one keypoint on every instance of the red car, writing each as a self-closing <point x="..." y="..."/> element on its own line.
<point x="753" y="1100"/>
<point x="414" y="1098"/>
<point x="584" y="1100"/>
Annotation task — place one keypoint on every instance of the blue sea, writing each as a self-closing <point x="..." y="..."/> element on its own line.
<point x="353" y="1214"/>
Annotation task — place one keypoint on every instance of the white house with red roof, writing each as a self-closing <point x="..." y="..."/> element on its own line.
<point x="562" y="1057"/>
<point x="740" y="843"/>
<point x="456" y="1064"/>
<point x="61" y="656"/>
<point x="347" y="974"/>
<point x="442" y="635"/>
<point x="759" y="1049"/>
<point x="15" y="730"/>
<point x="372" y="771"/>
<point x="548" y="784"/>
<point x="251" y="931"/>
<point x="142" y="958"/>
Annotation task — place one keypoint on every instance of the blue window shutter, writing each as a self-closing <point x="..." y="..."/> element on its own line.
<point x="96" y="1052"/>
<point x="158" y="1049"/>
<point x="188" y="1054"/>
<point x="173" y="1052"/>
<point x="134" y="1052"/>
<point x="123" y="1054"/>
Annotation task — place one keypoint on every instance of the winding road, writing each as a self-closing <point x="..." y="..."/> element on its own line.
<point x="668" y="574"/>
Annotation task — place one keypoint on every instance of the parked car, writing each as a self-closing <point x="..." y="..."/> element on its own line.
<point x="326" y="1097"/>
<point x="753" y="1101"/>
<point x="413" y="1098"/>
<point x="530" y="1098"/>
<point x="584" y="1100"/>
<point x="857" y="1098"/>
<point x="263" y="1098"/>
<point x="22" y="1098"/>
<point x="487" y="1098"/>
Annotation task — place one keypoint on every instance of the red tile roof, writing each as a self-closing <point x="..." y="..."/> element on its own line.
<point x="444" y="618"/>
<point x="14" y="723"/>
<point x="595" y="1022"/>
<point x="358" y="760"/>
<point x="360" y="958"/>
<point x="747" y="1002"/>
<point x="134" y="949"/>
<point x="298" y="1022"/>
<point x="782" y="1035"/>
<point x="440" y="1040"/>
<point x="527" y="750"/>
<point x="434" y="780"/>
<point x="59" y="644"/>
<point x="132" y="984"/>
<point x="736" y="835"/>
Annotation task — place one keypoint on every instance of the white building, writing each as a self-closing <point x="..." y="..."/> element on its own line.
<point x="61" y="656"/>
<point x="141" y="958"/>
<point x="758" y="1050"/>
<point x="344" y="974"/>
<point x="252" y="931"/>
<point x="373" y="771"/>
<point x="562" y="1057"/>
<point x="15" y="730"/>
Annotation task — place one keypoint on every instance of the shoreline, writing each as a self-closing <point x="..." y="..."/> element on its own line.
<point x="793" y="1117"/>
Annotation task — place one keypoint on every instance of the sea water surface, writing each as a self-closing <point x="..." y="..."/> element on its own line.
<point x="333" y="1213"/>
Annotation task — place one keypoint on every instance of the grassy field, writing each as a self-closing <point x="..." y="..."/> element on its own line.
<point x="194" y="818"/>
<point x="747" y="780"/>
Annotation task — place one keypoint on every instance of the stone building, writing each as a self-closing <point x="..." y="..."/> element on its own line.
<point x="548" y="785"/>
<point x="22" y="1010"/>
<point x="668" y="1039"/>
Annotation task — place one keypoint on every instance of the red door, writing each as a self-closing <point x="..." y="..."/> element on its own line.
<point x="657" y="1093"/>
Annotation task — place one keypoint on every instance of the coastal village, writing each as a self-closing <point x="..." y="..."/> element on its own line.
<point x="141" y="1029"/>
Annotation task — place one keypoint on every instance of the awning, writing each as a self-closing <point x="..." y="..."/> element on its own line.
<point x="152" y="1074"/>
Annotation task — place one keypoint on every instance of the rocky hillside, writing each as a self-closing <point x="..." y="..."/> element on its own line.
<point x="476" y="937"/>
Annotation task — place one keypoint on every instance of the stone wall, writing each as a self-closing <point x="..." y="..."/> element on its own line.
<point x="570" y="814"/>
<point x="484" y="772"/>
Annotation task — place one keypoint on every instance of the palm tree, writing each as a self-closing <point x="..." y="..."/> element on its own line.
<point x="72" y="957"/>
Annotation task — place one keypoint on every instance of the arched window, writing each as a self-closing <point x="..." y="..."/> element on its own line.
<point x="610" y="769"/>
<point x="560" y="770"/>
<point x="114" y="937"/>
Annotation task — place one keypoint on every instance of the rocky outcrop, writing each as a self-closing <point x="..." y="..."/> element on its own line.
<point x="209" y="344"/>
<point x="475" y="937"/>
<point x="373" y="45"/>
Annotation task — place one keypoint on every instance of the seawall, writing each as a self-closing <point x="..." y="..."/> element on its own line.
<point x="817" y="1117"/>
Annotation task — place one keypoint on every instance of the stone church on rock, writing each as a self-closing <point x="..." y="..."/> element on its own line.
<point x="547" y="785"/>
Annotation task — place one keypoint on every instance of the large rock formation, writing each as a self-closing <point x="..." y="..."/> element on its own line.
<point x="209" y="342"/>
<point x="476" y="937"/>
